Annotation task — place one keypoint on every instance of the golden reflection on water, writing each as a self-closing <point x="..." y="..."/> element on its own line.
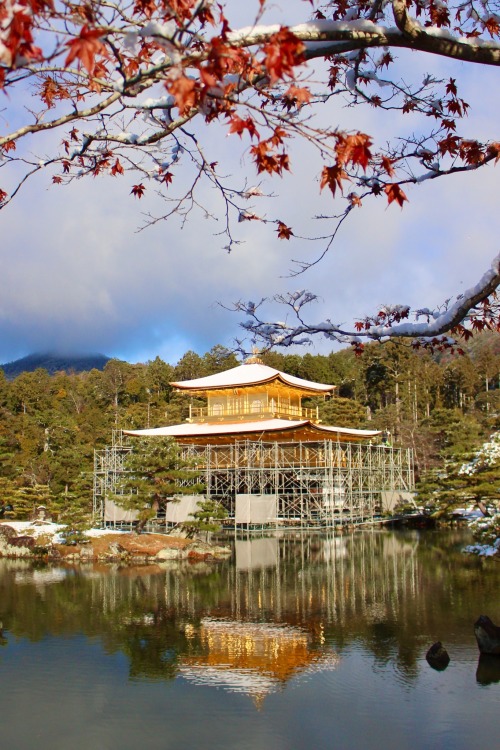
<point x="283" y="607"/>
<point x="252" y="658"/>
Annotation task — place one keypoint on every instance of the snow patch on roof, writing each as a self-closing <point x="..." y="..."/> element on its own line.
<point x="189" y="429"/>
<point x="250" y="374"/>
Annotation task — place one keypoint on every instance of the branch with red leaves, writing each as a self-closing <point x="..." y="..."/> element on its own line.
<point x="109" y="55"/>
<point x="477" y="309"/>
<point x="131" y="86"/>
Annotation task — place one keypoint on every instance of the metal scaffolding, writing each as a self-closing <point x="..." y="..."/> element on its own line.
<point x="316" y="484"/>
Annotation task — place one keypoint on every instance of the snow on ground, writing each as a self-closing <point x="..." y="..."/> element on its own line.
<point x="102" y="532"/>
<point x="31" y="528"/>
<point x="38" y="529"/>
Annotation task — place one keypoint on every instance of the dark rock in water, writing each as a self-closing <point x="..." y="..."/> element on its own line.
<point x="437" y="656"/>
<point x="488" y="669"/>
<point x="487" y="635"/>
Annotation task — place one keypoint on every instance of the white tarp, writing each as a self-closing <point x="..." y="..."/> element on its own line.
<point x="253" y="554"/>
<point x="391" y="498"/>
<point x="256" y="508"/>
<point x="114" y="513"/>
<point x="178" y="511"/>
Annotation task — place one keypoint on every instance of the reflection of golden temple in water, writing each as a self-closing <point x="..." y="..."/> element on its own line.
<point x="284" y="607"/>
<point x="252" y="658"/>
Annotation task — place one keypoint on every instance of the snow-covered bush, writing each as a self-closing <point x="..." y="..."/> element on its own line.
<point x="486" y="531"/>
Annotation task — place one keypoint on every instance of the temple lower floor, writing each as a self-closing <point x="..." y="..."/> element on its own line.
<point x="310" y="483"/>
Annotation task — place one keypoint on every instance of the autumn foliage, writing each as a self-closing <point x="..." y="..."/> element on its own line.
<point x="130" y="86"/>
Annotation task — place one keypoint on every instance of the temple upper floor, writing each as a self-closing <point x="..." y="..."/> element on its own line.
<point x="252" y="404"/>
<point x="251" y="392"/>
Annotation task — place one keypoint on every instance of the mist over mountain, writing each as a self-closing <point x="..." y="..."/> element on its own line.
<point x="55" y="362"/>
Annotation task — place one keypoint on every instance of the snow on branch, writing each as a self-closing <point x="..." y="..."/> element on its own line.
<point x="473" y="310"/>
<point x="131" y="87"/>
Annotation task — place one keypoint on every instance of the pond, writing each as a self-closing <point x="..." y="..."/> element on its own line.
<point x="305" y="641"/>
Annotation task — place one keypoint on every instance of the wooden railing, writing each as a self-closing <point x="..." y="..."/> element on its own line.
<point x="209" y="414"/>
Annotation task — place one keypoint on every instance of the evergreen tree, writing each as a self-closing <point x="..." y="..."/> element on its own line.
<point x="7" y="492"/>
<point x="468" y="478"/>
<point x="28" y="498"/>
<point x="73" y="509"/>
<point x="342" y="412"/>
<point x="154" y="474"/>
<point x="207" y="519"/>
<point x="219" y="359"/>
<point x="190" y="366"/>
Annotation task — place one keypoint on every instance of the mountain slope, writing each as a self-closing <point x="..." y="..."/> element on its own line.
<point x="54" y="362"/>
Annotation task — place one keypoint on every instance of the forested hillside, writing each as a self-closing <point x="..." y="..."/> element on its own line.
<point x="442" y="406"/>
<point x="54" y="362"/>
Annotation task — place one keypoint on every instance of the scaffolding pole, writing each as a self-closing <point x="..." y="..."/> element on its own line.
<point x="317" y="484"/>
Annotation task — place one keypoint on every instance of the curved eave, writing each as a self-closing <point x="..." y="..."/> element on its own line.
<point x="265" y="381"/>
<point x="255" y="375"/>
<point x="265" y="428"/>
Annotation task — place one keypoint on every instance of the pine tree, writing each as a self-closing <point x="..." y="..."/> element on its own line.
<point x="207" y="519"/>
<point x="342" y="412"/>
<point x="7" y="490"/>
<point x="154" y="474"/>
<point x="27" y="499"/>
<point x="465" y="483"/>
<point x="73" y="509"/>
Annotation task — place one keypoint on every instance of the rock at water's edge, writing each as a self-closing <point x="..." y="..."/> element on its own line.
<point x="487" y="635"/>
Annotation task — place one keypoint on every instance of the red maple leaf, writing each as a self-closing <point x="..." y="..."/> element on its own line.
<point x="491" y="24"/>
<point x="138" y="190"/>
<point x="267" y="161"/>
<point x="184" y="91"/>
<point x="332" y="177"/>
<point x="284" y="232"/>
<point x="296" y="96"/>
<point x="448" y="124"/>
<point x="167" y="178"/>
<point x="386" y="164"/>
<point x="238" y="125"/>
<point x="51" y="91"/>
<point x="449" y="145"/>
<point x="394" y="193"/>
<point x="85" y="47"/>
<point x="283" y="52"/>
<point x="354" y="149"/>
<point x="451" y="87"/>
<point x="471" y="152"/>
<point x="492" y="150"/>
<point x="116" y="168"/>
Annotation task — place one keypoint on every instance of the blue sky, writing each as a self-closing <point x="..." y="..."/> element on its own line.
<point x="78" y="276"/>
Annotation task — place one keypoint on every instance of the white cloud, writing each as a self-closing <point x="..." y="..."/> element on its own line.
<point x="76" y="274"/>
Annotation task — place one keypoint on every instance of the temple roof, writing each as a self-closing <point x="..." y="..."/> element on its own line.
<point x="258" y="428"/>
<point x="250" y="374"/>
<point x="253" y="658"/>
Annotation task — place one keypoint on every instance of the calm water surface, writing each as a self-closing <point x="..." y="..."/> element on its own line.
<point x="306" y="642"/>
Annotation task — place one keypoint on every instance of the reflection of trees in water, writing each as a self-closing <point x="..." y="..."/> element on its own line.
<point x="391" y="593"/>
